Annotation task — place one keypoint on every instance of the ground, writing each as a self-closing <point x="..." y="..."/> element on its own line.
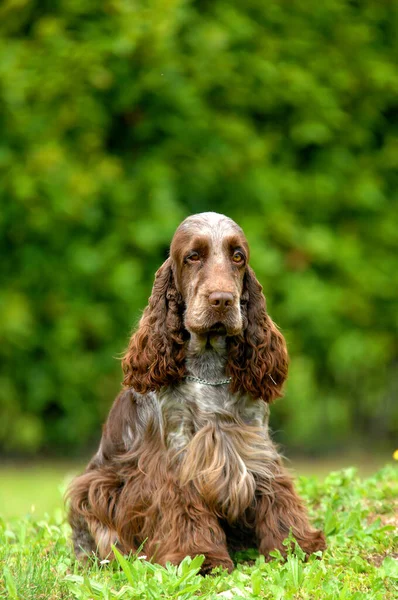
<point x="359" y="517"/>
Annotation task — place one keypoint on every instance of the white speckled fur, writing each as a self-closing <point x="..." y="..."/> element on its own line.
<point x="219" y="439"/>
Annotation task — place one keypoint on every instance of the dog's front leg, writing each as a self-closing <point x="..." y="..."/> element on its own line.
<point x="186" y="527"/>
<point x="279" y="510"/>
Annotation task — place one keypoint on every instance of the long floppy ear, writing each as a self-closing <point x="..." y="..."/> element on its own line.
<point x="258" y="359"/>
<point x="155" y="354"/>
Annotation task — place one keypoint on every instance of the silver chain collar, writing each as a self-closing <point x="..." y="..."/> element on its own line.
<point x="220" y="382"/>
<point x="204" y="382"/>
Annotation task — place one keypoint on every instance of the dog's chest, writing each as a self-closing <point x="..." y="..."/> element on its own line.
<point x="219" y="442"/>
<point x="192" y="406"/>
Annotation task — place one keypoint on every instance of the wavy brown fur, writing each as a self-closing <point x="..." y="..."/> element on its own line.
<point x="186" y="466"/>
<point x="258" y="360"/>
<point x="155" y="355"/>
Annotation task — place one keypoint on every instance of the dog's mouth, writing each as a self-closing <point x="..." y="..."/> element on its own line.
<point x="214" y="336"/>
<point x="217" y="329"/>
<point x="214" y="326"/>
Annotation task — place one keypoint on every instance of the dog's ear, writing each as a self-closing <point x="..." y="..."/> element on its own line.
<point x="155" y="354"/>
<point x="258" y="359"/>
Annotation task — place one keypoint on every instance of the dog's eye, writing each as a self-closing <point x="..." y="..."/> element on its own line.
<point x="193" y="257"/>
<point x="238" y="257"/>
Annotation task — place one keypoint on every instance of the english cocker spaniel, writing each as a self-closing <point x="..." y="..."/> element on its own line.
<point x="186" y="462"/>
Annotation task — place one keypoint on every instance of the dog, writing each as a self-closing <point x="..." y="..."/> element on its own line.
<point x="186" y="463"/>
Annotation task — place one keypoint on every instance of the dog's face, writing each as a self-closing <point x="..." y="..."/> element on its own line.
<point x="210" y="255"/>
<point x="207" y="288"/>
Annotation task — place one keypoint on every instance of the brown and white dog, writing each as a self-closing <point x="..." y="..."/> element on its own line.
<point x="185" y="460"/>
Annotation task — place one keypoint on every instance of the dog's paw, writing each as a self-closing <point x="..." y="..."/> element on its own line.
<point x="211" y="562"/>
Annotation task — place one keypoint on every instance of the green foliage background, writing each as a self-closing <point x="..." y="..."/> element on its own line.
<point x="118" y="118"/>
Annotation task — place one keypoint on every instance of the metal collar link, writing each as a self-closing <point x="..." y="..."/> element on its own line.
<point x="220" y="382"/>
<point x="198" y="380"/>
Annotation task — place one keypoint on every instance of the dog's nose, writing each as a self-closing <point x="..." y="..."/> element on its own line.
<point x="221" y="300"/>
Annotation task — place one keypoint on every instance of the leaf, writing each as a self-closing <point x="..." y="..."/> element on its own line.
<point x="390" y="567"/>
<point x="256" y="580"/>
<point x="330" y="522"/>
<point x="126" y="567"/>
<point x="10" y="584"/>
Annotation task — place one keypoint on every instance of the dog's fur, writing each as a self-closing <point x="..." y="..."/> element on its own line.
<point x="187" y="466"/>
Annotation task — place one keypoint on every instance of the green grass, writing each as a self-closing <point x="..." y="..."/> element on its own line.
<point x="358" y="516"/>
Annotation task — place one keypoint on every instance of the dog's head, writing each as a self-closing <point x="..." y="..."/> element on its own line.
<point x="207" y="288"/>
<point x="209" y="255"/>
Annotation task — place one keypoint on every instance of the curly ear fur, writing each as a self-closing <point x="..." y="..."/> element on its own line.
<point x="258" y="359"/>
<point x="155" y="354"/>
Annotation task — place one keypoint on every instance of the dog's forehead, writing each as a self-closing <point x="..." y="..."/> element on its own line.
<point x="215" y="225"/>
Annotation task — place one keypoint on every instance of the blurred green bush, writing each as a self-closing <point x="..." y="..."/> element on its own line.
<point x="119" y="118"/>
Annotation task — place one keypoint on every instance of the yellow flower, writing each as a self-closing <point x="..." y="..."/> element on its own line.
<point x="395" y="455"/>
